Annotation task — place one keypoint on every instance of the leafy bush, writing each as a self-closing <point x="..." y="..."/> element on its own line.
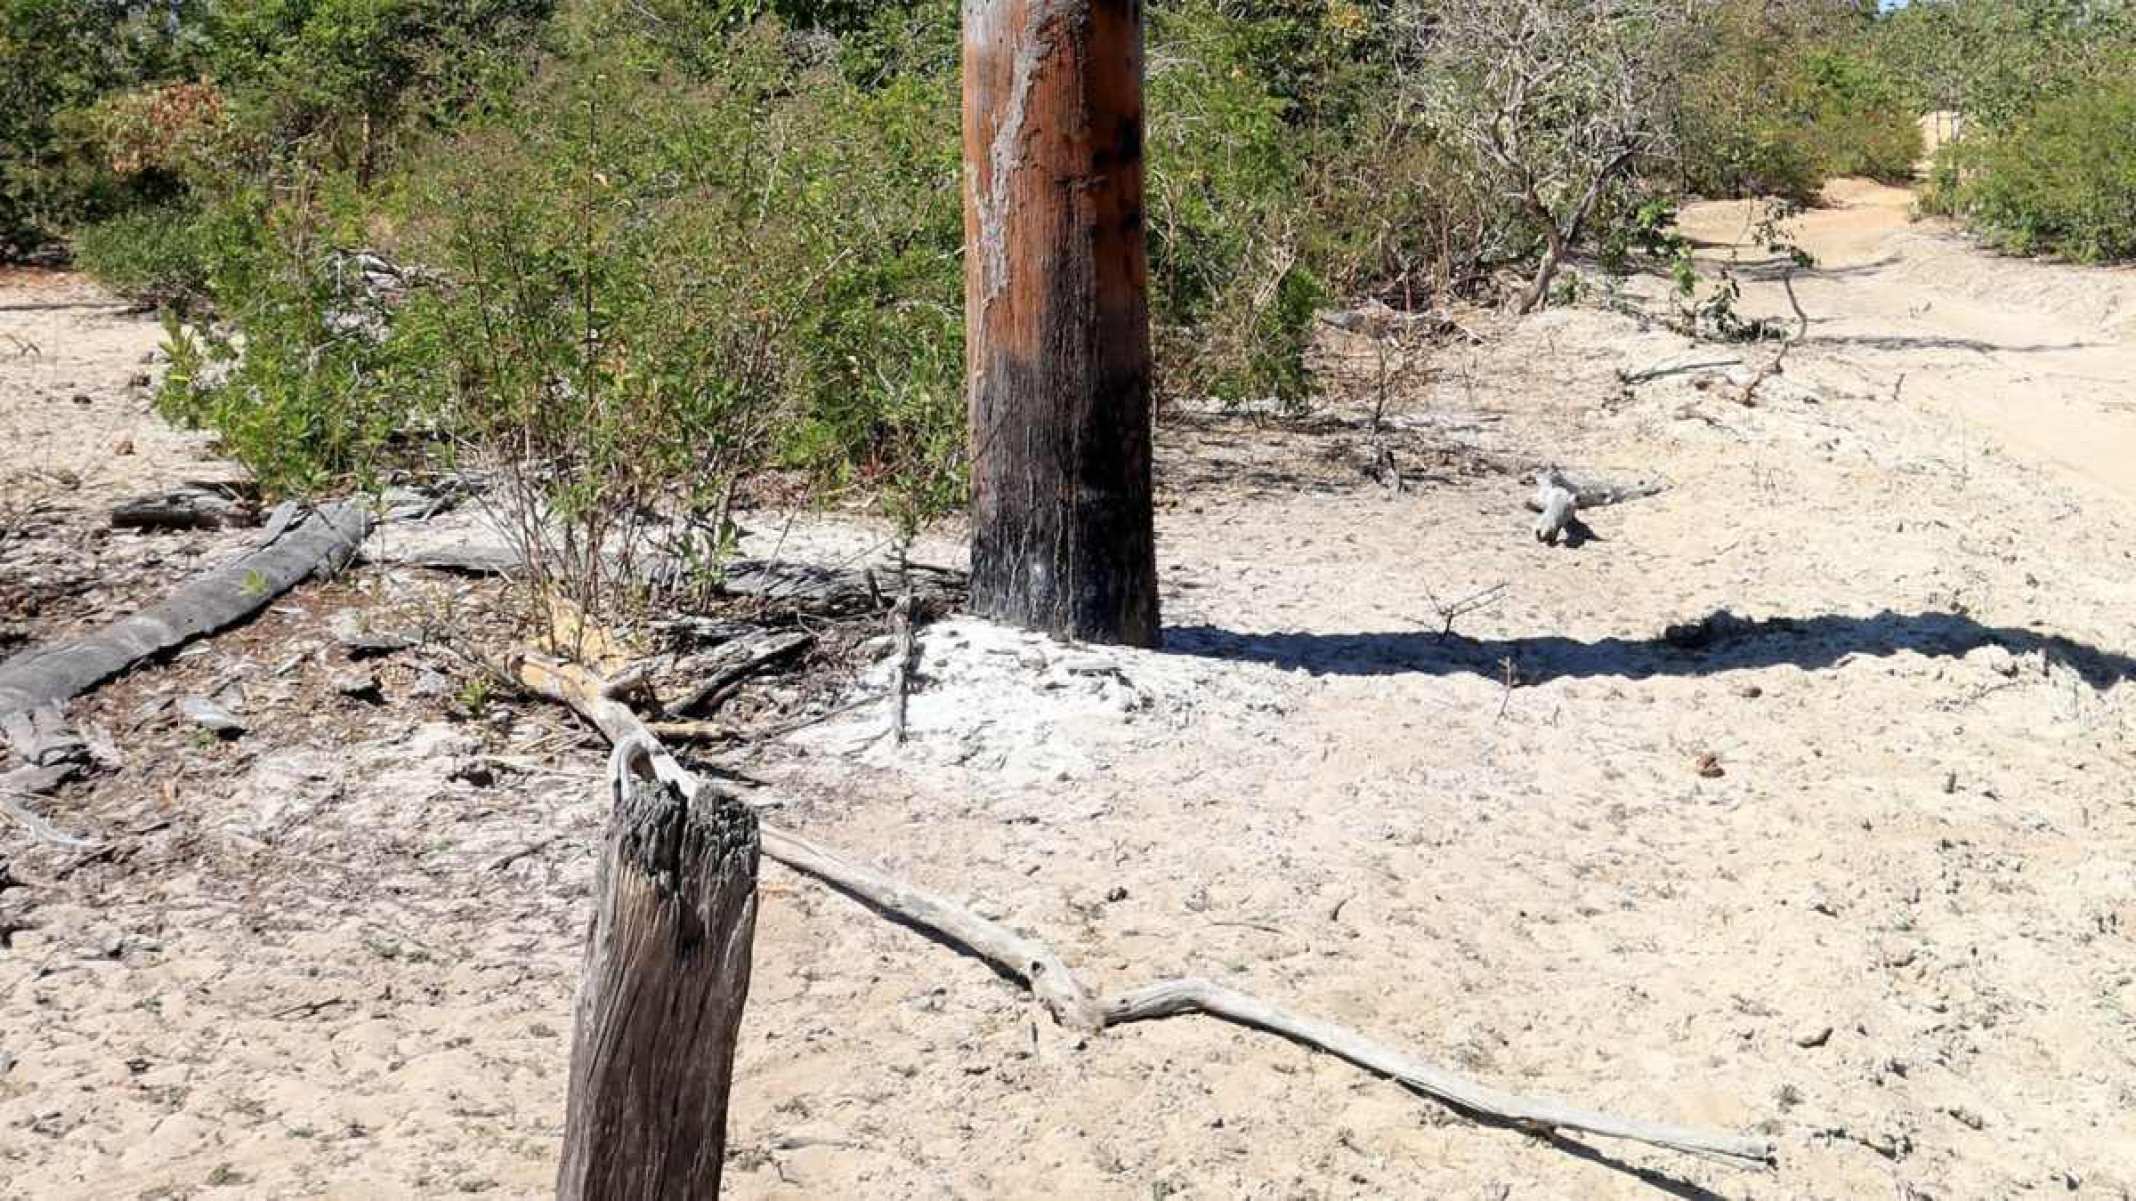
<point x="1857" y="120"/>
<point x="685" y="280"/>
<point x="298" y="370"/>
<point x="2045" y="92"/>
<point x="1996" y="61"/>
<point x="2061" y="180"/>
<point x="57" y="58"/>
<point x="151" y="254"/>
<point x="1779" y="100"/>
<point x="338" y="82"/>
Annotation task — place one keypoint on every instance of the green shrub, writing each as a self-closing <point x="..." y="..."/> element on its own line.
<point x="1997" y="61"/>
<point x="57" y="58"/>
<point x="2060" y="181"/>
<point x="340" y="82"/>
<point x="296" y="367"/>
<point x="152" y="255"/>
<point x="1857" y="121"/>
<point x="1779" y="101"/>
<point x="1282" y="176"/>
<point x="654" y="283"/>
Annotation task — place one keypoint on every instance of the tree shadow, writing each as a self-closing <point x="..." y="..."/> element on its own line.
<point x="1720" y="642"/>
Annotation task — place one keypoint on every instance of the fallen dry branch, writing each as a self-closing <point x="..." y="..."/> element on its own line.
<point x="1173" y="998"/>
<point x="1071" y="1004"/>
<point x="188" y="508"/>
<point x="1560" y="496"/>
<point x="1595" y="492"/>
<point x="1449" y="613"/>
<point x="11" y="798"/>
<point x="321" y="541"/>
<point x="692" y="731"/>
<point x="1749" y="395"/>
<point x="1664" y="370"/>
<point x="1031" y="962"/>
<point x="736" y="662"/>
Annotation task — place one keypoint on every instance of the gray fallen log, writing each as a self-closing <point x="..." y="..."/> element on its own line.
<point x="322" y="541"/>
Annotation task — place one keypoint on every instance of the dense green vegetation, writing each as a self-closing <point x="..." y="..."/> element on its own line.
<point x="2046" y="90"/>
<point x="664" y="246"/>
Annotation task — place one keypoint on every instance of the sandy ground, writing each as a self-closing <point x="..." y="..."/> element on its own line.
<point x="1894" y="930"/>
<point x="77" y="436"/>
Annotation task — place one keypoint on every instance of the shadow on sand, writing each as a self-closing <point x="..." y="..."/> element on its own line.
<point x="1718" y="643"/>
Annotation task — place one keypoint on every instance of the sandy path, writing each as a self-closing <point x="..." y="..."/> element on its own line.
<point x="77" y="435"/>
<point x="2031" y="355"/>
<point x="1895" y="930"/>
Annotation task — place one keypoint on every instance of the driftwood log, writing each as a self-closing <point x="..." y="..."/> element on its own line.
<point x="320" y="541"/>
<point x="1559" y="497"/>
<point x="1050" y="980"/>
<point x="660" y="999"/>
<point x="188" y="508"/>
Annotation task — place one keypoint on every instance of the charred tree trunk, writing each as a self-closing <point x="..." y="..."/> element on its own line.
<point x="1057" y="314"/>
<point x="660" y="1002"/>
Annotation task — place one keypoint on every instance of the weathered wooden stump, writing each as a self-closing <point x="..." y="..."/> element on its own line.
<point x="660" y="1002"/>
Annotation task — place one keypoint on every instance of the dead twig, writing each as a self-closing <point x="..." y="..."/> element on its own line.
<point x="309" y="1008"/>
<point x="1748" y="398"/>
<point x="747" y="657"/>
<point x="1631" y="379"/>
<point x="1475" y="602"/>
<point x="692" y="731"/>
<point x="40" y="829"/>
<point x="534" y="848"/>
<point x="901" y="669"/>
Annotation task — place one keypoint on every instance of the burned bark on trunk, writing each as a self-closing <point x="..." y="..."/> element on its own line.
<point x="1057" y="314"/>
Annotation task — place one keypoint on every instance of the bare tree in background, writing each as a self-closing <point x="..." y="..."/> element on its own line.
<point x="1559" y="100"/>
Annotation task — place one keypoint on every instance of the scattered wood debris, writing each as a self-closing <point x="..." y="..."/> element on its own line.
<point x="1041" y="969"/>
